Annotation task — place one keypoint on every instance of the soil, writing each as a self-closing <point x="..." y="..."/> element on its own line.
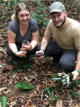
<point x="38" y="73"/>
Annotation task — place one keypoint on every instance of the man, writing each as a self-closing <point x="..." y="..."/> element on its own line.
<point x="62" y="40"/>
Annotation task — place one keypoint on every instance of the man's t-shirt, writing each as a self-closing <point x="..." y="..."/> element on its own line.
<point x="67" y="37"/>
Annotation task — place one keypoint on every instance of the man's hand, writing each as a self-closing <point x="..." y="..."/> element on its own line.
<point x="75" y="75"/>
<point x="40" y="53"/>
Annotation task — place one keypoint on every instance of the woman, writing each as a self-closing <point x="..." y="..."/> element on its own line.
<point x="22" y="28"/>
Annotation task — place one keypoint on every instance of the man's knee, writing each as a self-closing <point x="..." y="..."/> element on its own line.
<point x="65" y="64"/>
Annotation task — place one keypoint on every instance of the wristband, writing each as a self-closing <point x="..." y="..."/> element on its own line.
<point x="77" y="71"/>
<point x="15" y="52"/>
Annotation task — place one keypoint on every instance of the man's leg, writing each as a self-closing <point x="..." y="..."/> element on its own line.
<point x="53" y="50"/>
<point x="67" y="60"/>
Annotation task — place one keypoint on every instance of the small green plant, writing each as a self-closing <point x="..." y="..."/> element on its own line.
<point x="38" y="15"/>
<point x="10" y="3"/>
<point x="22" y="66"/>
<point x="63" y="78"/>
<point x="3" y="101"/>
<point x="24" y="85"/>
<point x="62" y="81"/>
<point x="74" y="93"/>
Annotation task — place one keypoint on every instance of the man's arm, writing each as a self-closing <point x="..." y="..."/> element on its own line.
<point x="75" y="73"/>
<point x="44" y="42"/>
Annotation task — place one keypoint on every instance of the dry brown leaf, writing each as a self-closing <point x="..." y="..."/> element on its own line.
<point x="28" y="80"/>
<point x="3" y="88"/>
<point x="39" y="88"/>
<point x="78" y="105"/>
<point x="46" y="103"/>
<point x="29" y="104"/>
<point x="0" y="104"/>
<point x="8" y="68"/>
<point x="12" y="104"/>
<point x="33" y="94"/>
<point x="52" y="83"/>
<point x="1" y="49"/>
<point x="59" y="103"/>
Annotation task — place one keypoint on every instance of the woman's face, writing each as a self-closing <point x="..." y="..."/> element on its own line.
<point x="24" y="16"/>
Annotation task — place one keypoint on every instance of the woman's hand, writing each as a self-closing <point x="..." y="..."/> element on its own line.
<point x="26" y="48"/>
<point x="75" y="75"/>
<point x="21" y="53"/>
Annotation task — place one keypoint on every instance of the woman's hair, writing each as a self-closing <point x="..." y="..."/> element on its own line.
<point x="19" y="8"/>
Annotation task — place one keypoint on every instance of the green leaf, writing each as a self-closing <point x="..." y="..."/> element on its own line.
<point x="56" y="98"/>
<point x="9" y="3"/>
<point x="15" y="2"/>
<point x="24" y="85"/>
<point x="22" y="0"/>
<point x="74" y="93"/>
<point x="3" y="101"/>
<point x="46" y="23"/>
<point x="38" y="3"/>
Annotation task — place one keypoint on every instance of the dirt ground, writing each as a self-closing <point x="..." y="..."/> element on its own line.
<point x="38" y="74"/>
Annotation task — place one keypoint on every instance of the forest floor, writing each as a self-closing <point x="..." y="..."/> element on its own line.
<point x="45" y="92"/>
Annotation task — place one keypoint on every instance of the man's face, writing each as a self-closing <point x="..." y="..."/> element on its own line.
<point x="58" y="18"/>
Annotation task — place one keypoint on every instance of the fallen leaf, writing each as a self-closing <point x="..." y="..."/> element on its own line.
<point x="8" y="68"/>
<point x="29" y="104"/>
<point x="7" y="91"/>
<point x="0" y="104"/>
<point x="46" y="103"/>
<point x="59" y="103"/>
<point x="1" y="49"/>
<point x="12" y="104"/>
<point x="1" y="66"/>
<point x="76" y="105"/>
<point x="39" y="88"/>
<point x="33" y="94"/>
<point x="28" y="80"/>
<point x="3" y="88"/>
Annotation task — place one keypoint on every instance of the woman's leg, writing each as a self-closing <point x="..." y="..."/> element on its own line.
<point x="15" y="59"/>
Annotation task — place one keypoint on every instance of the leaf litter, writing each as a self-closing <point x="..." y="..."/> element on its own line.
<point x="46" y="92"/>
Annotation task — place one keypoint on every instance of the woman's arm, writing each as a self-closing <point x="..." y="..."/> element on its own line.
<point x="11" y="41"/>
<point x="35" y="39"/>
<point x="12" y="45"/>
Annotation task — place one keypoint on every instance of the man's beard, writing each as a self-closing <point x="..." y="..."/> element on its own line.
<point x="61" y="24"/>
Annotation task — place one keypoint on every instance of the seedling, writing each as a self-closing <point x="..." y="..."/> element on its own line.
<point x="3" y="101"/>
<point x="24" y="85"/>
